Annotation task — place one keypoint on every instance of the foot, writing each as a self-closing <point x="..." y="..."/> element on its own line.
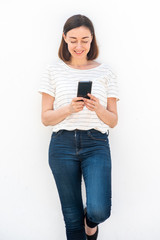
<point x="89" y="231"/>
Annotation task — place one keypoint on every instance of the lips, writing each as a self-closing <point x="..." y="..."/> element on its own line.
<point x="78" y="53"/>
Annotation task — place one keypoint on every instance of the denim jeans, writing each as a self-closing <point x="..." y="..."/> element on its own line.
<point x="77" y="153"/>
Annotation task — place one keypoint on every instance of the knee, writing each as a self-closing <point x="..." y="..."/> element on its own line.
<point x="99" y="215"/>
<point x="73" y="219"/>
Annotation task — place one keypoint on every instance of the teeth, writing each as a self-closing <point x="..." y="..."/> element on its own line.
<point x="78" y="52"/>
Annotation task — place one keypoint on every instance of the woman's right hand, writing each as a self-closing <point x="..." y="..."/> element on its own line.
<point x="76" y="105"/>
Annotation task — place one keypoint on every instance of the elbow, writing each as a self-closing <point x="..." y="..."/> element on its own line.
<point x="114" y="123"/>
<point x="112" y="126"/>
<point x="44" y="121"/>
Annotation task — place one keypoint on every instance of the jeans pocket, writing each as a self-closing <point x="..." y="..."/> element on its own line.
<point x="97" y="135"/>
<point x="56" y="134"/>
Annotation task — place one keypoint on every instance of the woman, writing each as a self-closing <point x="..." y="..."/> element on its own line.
<point x="79" y="144"/>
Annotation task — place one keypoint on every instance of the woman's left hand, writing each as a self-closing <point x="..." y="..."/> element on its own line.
<point x="93" y="103"/>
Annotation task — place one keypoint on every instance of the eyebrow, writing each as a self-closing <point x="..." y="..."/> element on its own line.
<point x="75" y="37"/>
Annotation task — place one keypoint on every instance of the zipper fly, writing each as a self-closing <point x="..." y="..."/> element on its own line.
<point x="77" y="141"/>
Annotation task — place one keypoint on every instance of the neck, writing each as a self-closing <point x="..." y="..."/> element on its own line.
<point x="78" y="62"/>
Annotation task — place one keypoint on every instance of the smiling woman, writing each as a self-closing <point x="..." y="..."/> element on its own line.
<point x="78" y="46"/>
<point x="79" y="143"/>
<point x="78" y="39"/>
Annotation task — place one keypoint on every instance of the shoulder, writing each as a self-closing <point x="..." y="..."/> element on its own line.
<point x="94" y="63"/>
<point x="109" y="70"/>
<point x="104" y="64"/>
<point x="54" y="67"/>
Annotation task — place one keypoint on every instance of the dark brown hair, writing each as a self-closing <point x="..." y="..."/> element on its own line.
<point x="74" y="22"/>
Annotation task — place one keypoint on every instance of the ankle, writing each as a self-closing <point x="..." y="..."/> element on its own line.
<point x="89" y="231"/>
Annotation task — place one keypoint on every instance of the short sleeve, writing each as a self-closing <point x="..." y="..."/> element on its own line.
<point x="47" y="83"/>
<point x="112" y="86"/>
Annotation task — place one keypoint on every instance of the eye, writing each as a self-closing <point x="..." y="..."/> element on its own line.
<point x="83" y="42"/>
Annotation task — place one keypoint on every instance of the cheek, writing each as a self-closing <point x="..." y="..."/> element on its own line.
<point x="70" y="47"/>
<point x="88" y="46"/>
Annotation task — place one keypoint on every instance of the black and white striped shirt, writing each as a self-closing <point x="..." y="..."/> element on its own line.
<point x="61" y="81"/>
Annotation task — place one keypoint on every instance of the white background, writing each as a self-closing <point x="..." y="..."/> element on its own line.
<point x="128" y="38"/>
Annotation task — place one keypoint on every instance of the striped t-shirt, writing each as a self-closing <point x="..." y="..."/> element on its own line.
<point x="61" y="81"/>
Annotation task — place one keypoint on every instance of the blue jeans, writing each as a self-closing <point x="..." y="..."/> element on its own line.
<point x="71" y="155"/>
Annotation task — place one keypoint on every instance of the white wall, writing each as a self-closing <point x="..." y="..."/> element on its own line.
<point x="128" y="37"/>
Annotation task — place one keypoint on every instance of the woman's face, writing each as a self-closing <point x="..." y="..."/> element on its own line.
<point x="79" y="41"/>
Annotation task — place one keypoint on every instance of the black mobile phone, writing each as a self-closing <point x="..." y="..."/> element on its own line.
<point x="84" y="87"/>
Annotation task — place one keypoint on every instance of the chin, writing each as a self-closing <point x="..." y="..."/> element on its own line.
<point x="78" y="56"/>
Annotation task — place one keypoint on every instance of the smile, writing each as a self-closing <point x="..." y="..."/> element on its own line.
<point x="79" y="52"/>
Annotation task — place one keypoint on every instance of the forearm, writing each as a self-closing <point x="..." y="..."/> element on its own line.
<point x="107" y="117"/>
<point x="52" y="117"/>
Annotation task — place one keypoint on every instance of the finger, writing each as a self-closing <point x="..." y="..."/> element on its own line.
<point x="90" y="106"/>
<point x="90" y="102"/>
<point x="77" y="98"/>
<point x="79" y="103"/>
<point x="92" y="97"/>
<point x="91" y="109"/>
<point x="82" y="105"/>
<point x="79" y="108"/>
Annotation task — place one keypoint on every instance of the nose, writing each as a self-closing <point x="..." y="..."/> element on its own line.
<point x="78" y="46"/>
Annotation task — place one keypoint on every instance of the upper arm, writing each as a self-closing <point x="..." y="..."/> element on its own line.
<point x="47" y="103"/>
<point x="112" y="105"/>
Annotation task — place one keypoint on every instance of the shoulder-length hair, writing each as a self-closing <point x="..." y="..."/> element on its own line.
<point x="74" y="22"/>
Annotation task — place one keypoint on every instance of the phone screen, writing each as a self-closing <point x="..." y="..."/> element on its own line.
<point x="84" y="87"/>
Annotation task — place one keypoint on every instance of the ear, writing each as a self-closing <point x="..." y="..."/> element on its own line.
<point x="91" y="38"/>
<point x="63" y="35"/>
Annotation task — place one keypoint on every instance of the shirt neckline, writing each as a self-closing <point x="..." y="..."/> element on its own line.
<point x="76" y="69"/>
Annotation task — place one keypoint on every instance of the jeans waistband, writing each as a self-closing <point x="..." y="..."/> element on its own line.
<point x="80" y="130"/>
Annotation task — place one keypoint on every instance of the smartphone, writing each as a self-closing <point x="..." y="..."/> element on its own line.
<point x="84" y="87"/>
